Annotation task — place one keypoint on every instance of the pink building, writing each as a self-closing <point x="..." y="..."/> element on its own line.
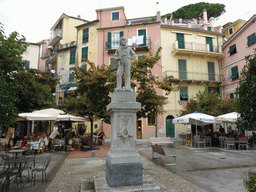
<point x="143" y="34"/>
<point x="44" y="56"/>
<point x="240" y="45"/>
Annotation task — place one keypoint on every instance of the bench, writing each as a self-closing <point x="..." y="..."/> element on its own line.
<point x="158" y="149"/>
<point x="161" y="141"/>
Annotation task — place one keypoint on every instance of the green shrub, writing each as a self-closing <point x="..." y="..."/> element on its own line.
<point x="250" y="181"/>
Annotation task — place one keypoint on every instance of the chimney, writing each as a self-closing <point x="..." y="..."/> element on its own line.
<point x="165" y="21"/>
<point x="205" y="15"/>
<point x="158" y="16"/>
<point x="79" y="16"/>
<point x="180" y="20"/>
<point x="205" y="27"/>
<point x="212" y="22"/>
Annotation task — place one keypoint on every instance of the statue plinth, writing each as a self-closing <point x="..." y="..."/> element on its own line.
<point x="123" y="166"/>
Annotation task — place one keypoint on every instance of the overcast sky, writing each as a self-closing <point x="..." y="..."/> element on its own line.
<point x="34" y="18"/>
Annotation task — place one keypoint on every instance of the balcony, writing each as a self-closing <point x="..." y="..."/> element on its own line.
<point x="193" y="77"/>
<point x="111" y="48"/>
<point x="56" y="37"/>
<point x="65" y="46"/>
<point x="197" y="49"/>
<point x="53" y="57"/>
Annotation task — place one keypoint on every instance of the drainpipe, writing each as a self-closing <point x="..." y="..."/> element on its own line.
<point x="103" y="47"/>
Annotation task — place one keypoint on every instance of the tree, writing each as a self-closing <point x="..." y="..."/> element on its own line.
<point x="195" y="11"/>
<point x="20" y="90"/>
<point x="209" y="103"/>
<point x="246" y="102"/>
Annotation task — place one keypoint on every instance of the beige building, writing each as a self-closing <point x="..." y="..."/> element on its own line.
<point x="31" y="55"/>
<point x="231" y="28"/>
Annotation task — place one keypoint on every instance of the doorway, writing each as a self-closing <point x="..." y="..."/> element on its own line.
<point x="139" y="130"/>
<point x="170" y="128"/>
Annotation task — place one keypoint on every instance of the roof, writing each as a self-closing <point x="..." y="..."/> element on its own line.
<point x="86" y="24"/>
<point x="251" y="20"/>
<point x="65" y="15"/>
<point x="107" y="9"/>
<point x="229" y="24"/>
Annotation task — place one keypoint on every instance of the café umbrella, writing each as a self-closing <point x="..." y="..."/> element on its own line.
<point x="228" y="117"/>
<point x="195" y="118"/>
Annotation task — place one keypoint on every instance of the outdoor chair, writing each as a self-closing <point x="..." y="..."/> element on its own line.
<point x="69" y="144"/>
<point x="40" y="147"/>
<point x="208" y="141"/>
<point x="198" y="141"/>
<point x="54" y="145"/>
<point x="230" y="143"/>
<point x="222" y="140"/>
<point x="41" y="168"/>
<point x="243" y="143"/>
<point x="11" y="143"/>
<point x="253" y="144"/>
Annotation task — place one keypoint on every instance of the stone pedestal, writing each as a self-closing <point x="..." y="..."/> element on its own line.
<point x="123" y="166"/>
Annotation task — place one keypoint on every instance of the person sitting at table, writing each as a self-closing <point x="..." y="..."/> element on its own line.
<point x="24" y="142"/>
<point x="52" y="136"/>
<point x="253" y="138"/>
<point x="241" y="135"/>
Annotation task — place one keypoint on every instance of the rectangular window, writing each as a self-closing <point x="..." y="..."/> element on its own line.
<point x="211" y="71"/>
<point x="230" y="31"/>
<point x="209" y="42"/>
<point x="46" y="65"/>
<point x="115" y="16"/>
<point x="184" y="94"/>
<point x="231" y="95"/>
<point x="84" y="66"/>
<point x="151" y="120"/>
<point x="209" y="28"/>
<point x="214" y="89"/>
<point x="85" y="35"/>
<point x="182" y="69"/>
<point x="27" y="64"/>
<point x="84" y="53"/>
<point x="113" y="64"/>
<point x="234" y="73"/>
<point x="251" y="39"/>
<point x="114" y="39"/>
<point x="143" y="32"/>
<point x="180" y="39"/>
<point x="232" y="49"/>
<point x="71" y="77"/>
<point x="72" y="59"/>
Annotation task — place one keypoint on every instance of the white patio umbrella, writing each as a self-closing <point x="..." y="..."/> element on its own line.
<point x="37" y="116"/>
<point x="228" y="117"/>
<point x="68" y="117"/>
<point x="50" y="111"/>
<point x="195" y="118"/>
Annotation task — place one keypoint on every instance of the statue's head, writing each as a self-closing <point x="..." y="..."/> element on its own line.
<point x="123" y="41"/>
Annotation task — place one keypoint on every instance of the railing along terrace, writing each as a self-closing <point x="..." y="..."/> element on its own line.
<point x="115" y="44"/>
<point x="196" y="76"/>
<point x="196" y="47"/>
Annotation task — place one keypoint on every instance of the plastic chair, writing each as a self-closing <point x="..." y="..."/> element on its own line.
<point x="41" y="168"/>
<point x="208" y="140"/>
<point x="230" y="142"/>
<point x="197" y="141"/>
<point x="243" y="143"/>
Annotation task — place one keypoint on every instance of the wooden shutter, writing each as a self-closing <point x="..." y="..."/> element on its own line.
<point x="144" y="33"/>
<point x="182" y="69"/>
<point x="72" y="59"/>
<point x="84" y="53"/>
<point x="232" y="49"/>
<point x="109" y="40"/>
<point x="184" y="94"/>
<point x="209" y="41"/>
<point x="211" y="71"/>
<point x="234" y="71"/>
<point x="85" y="35"/>
<point x="180" y="39"/>
<point x="71" y="77"/>
<point x="121" y="34"/>
<point x="251" y="39"/>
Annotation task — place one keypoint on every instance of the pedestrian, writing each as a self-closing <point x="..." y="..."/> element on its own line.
<point x="52" y="136"/>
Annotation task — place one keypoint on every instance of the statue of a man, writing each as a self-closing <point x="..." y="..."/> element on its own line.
<point x="124" y="54"/>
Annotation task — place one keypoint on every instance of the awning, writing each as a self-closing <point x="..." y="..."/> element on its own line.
<point x="72" y="89"/>
<point x="37" y="116"/>
<point x="68" y="117"/>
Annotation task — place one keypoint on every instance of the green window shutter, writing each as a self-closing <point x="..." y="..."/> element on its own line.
<point x="71" y="77"/>
<point x="109" y="40"/>
<point x="113" y="64"/>
<point x="27" y="65"/>
<point x="184" y="94"/>
<point x="231" y="95"/>
<point x="115" y="16"/>
<point x="85" y="35"/>
<point x="218" y="90"/>
<point x="251" y="39"/>
<point x="84" y="66"/>
<point x="209" y="90"/>
<point x="46" y="65"/>
<point x="72" y="59"/>
<point x="182" y="69"/>
<point x="141" y="58"/>
<point x="84" y="53"/>
<point x="144" y="33"/>
<point x="180" y="39"/>
<point x="232" y="49"/>
<point x="234" y="72"/>
<point x="121" y="34"/>
<point x="211" y="71"/>
<point x="209" y="41"/>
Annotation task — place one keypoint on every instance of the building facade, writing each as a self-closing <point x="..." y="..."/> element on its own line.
<point x="240" y="45"/>
<point x="230" y="28"/>
<point x="31" y="55"/>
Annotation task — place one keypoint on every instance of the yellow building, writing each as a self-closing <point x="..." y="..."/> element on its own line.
<point x="191" y="61"/>
<point x="230" y="28"/>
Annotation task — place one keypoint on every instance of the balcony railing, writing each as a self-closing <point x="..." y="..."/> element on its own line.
<point x="68" y="45"/>
<point x="192" y="76"/>
<point x="197" y="48"/>
<point x="56" y="36"/>
<point x="114" y="45"/>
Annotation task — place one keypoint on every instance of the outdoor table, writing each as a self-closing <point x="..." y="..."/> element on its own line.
<point x="60" y="142"/>
<point x="17" y="151"/>
<point x="34" y="144"/>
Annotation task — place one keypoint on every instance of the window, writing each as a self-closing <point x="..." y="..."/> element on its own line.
<point x="209" y="42"/>
<point x="84" y="66"/>
<point x="85" y="35"/>
<point x="234" y="73"/>
<point x="27" y="64"/>
<point x="143" y="32"/>
<point x="214" y="89"/>
<point x="72" y="59"/>
<point x="230" y="31"/>
<point x="182" y="69"/>
<point x="115" y="16"/>
<point x="151" y="120"/>
<point x="211" y="71"/>
<point x="84" y="53"/>
<point x="180" y="39"/>
<point x="251" y="39"/>
<point x="114" y="39"/>
<point x="184" y="94"/>
<point x="209" y="28"/>
<point x="46" y="65"/>
<point x="231" y="95"/>
<point x="232" y="49"/>
<point x="71" y="77"/>
<point x="113" y="64"/>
